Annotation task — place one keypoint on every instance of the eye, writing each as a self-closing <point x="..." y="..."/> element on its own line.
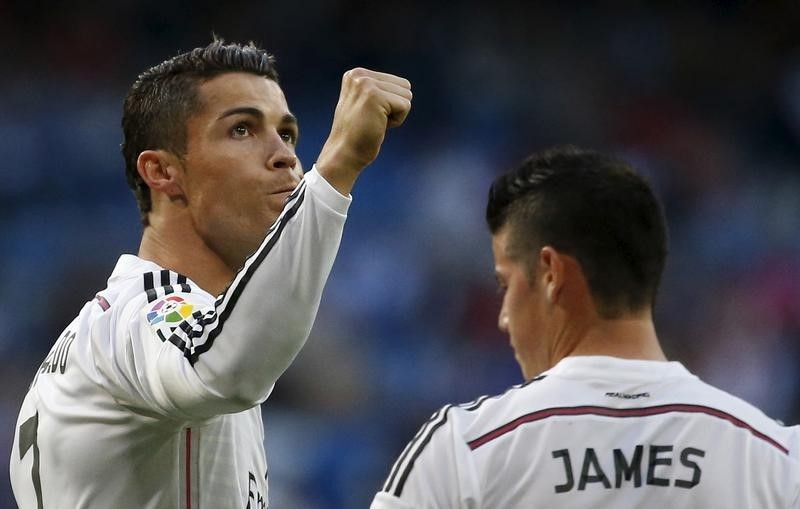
<point x="289" y="137"/>
<point x="240" y="131"/>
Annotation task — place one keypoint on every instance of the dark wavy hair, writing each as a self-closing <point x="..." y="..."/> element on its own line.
<point x="594" y="208"/>
<point x="164" y="97"/>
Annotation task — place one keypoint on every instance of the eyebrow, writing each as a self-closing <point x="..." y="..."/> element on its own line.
<point x="255" y="112"/>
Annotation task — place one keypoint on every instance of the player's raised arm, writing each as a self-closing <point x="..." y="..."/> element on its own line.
<point x="229" y="356"/>
<point x="370" y="102"/>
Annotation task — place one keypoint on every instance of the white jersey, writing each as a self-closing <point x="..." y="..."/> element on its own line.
<point x="151" y="396"/>
<point x="600" y="432"/>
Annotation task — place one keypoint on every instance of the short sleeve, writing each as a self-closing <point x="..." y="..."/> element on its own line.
<point x="434" y="470"/>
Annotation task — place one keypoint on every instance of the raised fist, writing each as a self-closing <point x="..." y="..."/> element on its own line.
<point x="369" y="103"/>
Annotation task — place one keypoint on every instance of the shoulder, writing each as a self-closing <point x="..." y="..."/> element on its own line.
<point x="158" y="298"/>
<point x="488" y="411"/>
<point x="491" y="402"/>
<point x="442" y="449"/>
<point x="719" y="403"/>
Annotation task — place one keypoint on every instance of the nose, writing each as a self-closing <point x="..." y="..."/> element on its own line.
<point x="281" y="156"/>
<point x="502" y="321"/>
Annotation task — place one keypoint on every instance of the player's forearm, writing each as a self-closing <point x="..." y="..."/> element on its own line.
<point x="339" y="171"/>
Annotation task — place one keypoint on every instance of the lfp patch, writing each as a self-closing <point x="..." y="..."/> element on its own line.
<point x="166" y="314"/>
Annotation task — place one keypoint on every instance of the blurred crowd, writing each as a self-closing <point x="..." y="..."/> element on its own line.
<point x="702" y="97"/>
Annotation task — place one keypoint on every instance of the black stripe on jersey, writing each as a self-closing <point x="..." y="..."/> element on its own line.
<point x="621" y="413"/>
<point x="475" y="404"/>
<point x="402" y="481"/>
<point x="149" y="287"/>
<point x="406" y="450"/>
<point x="225" y="303"/>
<point x="424" y="435"/>
<point x="405" y="463"/>
<point x="242" y="283"/>
<point x="186" y="326"/>
<point x="166" y="283"/>
<point x="167" y="286"/>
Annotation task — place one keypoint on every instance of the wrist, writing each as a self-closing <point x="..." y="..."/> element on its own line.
<point x="338" y="168"/>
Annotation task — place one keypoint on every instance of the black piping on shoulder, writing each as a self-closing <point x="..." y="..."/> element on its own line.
<point x="476" y="404"/>
<point x="405" y="463"/>
<point x="181" y="281"/>
<point x="149" y="287"/>
<point x="168" y="282"/>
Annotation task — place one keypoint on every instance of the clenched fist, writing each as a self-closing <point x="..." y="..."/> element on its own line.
<point x="369" y="103"/>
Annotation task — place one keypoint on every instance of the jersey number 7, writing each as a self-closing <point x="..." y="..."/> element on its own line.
<point x="27" y="439"/>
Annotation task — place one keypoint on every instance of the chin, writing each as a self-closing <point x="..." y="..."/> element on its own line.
<point x="274" y="211"/>
<point x="265" y="219"/>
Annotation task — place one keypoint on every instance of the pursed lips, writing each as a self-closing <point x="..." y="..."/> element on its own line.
<point x="287" y="190"/>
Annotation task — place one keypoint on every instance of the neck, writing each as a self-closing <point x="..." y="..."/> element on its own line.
<point x="628" y="338"/>
<point x="177" y="247"/>
<point x="631" y="337"/>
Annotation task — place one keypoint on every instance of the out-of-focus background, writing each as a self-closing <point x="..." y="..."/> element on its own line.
<point x="703" y="97"/>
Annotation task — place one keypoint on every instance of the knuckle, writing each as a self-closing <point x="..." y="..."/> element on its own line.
<point x="365" y="85"/>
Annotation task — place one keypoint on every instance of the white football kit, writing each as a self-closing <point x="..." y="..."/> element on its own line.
<point x="151" y="396"/>
<point x="600" y="432"/>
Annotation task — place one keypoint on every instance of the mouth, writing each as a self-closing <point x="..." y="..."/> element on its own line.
<point x="284" y="192"/>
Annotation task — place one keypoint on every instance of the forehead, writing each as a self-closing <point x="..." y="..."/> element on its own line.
<point x="236" y="89"/>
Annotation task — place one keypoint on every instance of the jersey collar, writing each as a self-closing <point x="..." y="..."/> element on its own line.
<point x="615" y="368"/>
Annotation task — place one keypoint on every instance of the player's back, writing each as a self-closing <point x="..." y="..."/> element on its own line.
<point x="604" y="432"/>
<point x="608" y="433"/>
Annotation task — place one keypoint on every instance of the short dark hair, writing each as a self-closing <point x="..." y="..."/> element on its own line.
<point x="594" y="208"/>
<point x="164" y="97"/>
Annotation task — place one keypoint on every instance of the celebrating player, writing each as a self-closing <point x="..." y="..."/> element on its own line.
<point x="603" y="419"/>
<point x="151" y="396"/>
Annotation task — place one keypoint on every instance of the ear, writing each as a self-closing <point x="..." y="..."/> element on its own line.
<point x="551" y="266"/>
<point x="161" y="172"/>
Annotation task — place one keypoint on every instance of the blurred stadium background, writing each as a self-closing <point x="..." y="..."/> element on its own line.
<point x="704" y="97"/>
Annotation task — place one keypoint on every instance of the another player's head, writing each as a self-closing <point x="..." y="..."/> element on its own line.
<point x="200" y="130"/>
<point x="577" y="236"/>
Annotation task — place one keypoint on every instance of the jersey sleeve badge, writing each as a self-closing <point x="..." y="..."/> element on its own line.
<point x="167" y="313"/>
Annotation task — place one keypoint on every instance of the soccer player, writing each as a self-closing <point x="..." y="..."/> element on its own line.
<point x="151" y="396"/>
<point x="603" y="419"/>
